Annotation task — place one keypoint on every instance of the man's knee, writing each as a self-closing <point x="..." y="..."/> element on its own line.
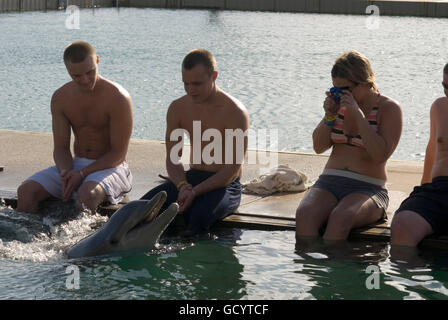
<point x="29" y="194"/>
<point x="91" y="195"/>
<point x="400" y="225"/>
<point x="408" y="229"/>
<point x="24" y="191"/>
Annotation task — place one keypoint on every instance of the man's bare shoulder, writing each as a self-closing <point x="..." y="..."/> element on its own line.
<point x="62" y="94"/>
<point x="234" y="106"/>
<point x="114" y="89"/>
<point x="115" y="96"/>
<point x="64" y="90"/>
<point x="109" y="88"/>
<point x="441" y="102"/>
<point x="179" y="105"/>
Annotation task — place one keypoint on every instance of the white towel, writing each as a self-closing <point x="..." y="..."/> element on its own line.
<point x="279" y="179"/>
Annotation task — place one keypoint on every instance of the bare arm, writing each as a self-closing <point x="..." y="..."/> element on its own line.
<point x="431" y="148"/>
<point x="61" y="153"/>
<point x="221" y="179"/>
<point x="380" y="145"/>
<point x="174" y="148"/>
<point x="61" y="136"/>
<point x="321" y="135"/>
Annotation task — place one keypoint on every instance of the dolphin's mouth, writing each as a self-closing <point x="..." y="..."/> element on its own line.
<point x="153" y="212"/>
<point x="137" y="224"/>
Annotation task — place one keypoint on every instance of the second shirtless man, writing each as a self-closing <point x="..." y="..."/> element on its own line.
<point x="100" y="114"/>
<point x="210" y="190"/>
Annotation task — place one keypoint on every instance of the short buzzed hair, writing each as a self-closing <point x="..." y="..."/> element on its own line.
<point x="77" y="51"/>
<point x="445" y="69"/>
<point x="200" y="56"/>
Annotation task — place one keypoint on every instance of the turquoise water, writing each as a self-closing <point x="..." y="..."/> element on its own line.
<point x="223" y="264"/>
<point x="277" y="64"/>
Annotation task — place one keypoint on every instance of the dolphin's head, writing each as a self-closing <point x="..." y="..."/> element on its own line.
<point x="138" y="224"/>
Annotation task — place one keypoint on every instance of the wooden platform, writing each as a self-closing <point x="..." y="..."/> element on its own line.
<point x="271" y="213"/>
<point x="147" y="160"/>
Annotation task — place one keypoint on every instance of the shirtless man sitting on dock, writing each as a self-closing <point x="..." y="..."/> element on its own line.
<point x="100" y="114"/>
<point x="210" y="190"/>
<point x="425" y="211"/>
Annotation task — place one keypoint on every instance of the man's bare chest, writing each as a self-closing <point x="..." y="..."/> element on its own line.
<point x="87" y="115"/>
<point x="209" y="119"/>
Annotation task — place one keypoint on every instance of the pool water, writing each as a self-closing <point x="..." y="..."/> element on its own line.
<point x="277" y="64"/>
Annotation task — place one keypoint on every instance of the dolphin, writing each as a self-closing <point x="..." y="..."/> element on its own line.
<point x="135" y="225"/>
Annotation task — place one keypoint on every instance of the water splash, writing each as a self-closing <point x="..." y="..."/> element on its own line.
<point x="45" y="236"/>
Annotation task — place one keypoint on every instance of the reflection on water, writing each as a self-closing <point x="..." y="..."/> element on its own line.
<point x="342" y="269"/>
<point x="418" y="273"/>
<point x="35" y="265"/>
<point x="179" y="270"/>
<point x="223" y="264"/>
<point x="277" y="64"/>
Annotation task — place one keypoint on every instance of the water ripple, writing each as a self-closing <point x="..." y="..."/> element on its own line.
<point x="279" y="70"/>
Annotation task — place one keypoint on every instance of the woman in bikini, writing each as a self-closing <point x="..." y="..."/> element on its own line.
<point x="363" y="128"/>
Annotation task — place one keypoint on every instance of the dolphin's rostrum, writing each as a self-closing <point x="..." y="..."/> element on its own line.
<point x="135" y="225"/>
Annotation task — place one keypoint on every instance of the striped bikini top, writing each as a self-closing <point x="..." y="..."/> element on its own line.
<point x="337" y="132"/>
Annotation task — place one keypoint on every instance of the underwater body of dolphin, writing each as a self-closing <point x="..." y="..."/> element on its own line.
<point x="135" y="225"/>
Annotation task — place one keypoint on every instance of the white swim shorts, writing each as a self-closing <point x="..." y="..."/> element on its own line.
<point x="115" y="181"/>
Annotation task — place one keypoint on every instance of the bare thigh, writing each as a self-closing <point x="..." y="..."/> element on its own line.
<point x="358" y="208"/>
<point x="32" y="190"/>
<point x="368" y="213"/>
<point x="408" y="228"/>
<point x="29" y="194"/>
<point x="314" y="210"/>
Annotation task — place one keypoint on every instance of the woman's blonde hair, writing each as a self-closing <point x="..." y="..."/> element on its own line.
<point x="354" y="67"/>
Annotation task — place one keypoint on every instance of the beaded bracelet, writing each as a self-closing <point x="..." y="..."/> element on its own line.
<point x="331" y="118"/>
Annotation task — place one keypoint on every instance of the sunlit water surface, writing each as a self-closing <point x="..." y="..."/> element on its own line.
<point x="223" y="264"/>
<point x="277" y="64"/>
